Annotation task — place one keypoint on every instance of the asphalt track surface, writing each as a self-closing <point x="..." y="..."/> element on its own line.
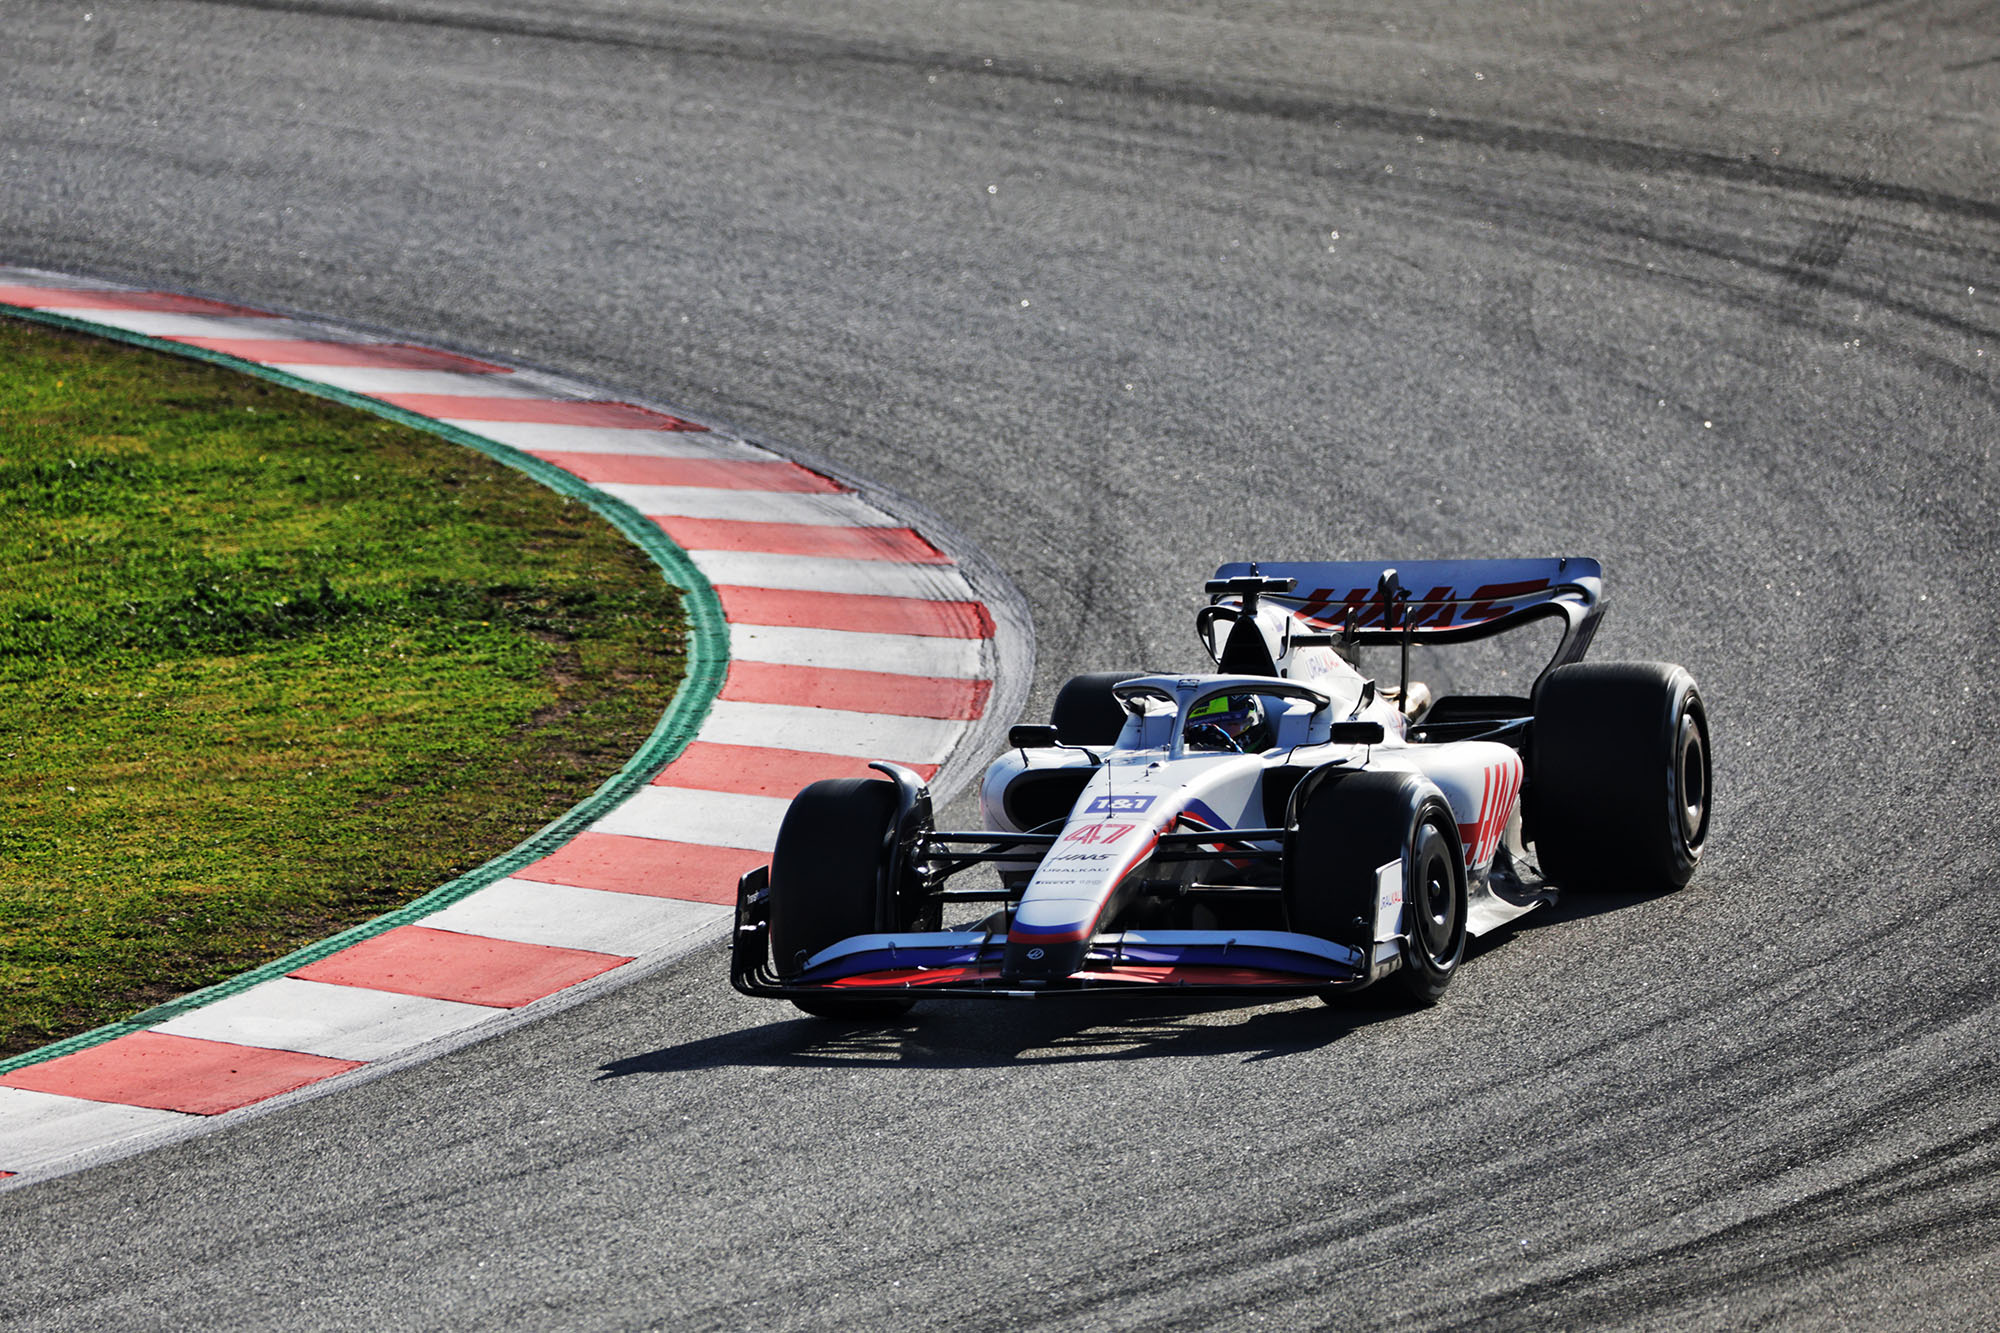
<point x="1710" y="292"/>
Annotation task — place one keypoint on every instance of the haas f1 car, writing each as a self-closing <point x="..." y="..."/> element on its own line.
<point x="1284" y="826"/>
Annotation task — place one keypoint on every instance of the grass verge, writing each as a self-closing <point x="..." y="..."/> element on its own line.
<point x="270" y="666"/>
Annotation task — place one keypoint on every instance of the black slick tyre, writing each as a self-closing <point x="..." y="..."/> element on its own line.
<point x="826" y="882"/>
<point x="1347" y="830"/>
<point x="1085" y="711"/>
<point x="1619" y="779"/>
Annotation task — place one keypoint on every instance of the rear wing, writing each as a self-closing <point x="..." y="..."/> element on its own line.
<point x="1436" y="601"/>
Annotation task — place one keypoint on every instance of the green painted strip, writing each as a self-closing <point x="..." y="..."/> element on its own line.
<point x="708" y="662"/>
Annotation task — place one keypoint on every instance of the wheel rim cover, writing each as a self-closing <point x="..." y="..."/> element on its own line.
<point x="1435" y="904"/>
<point x="1690" y="781"/>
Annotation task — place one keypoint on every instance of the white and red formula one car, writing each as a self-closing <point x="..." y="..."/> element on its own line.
<point x="1284" y="826"/>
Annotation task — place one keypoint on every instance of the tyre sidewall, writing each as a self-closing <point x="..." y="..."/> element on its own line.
<point x="827" y="869"/>
<point x="1349" y="827"/>
<point x="1609" y="771"/>
<point x="1433" y="833"/>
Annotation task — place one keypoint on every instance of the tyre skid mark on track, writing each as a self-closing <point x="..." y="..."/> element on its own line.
<point x="636" y="875"/>
<point x="741" y="39"/>
<point x="1737" y="1257"/>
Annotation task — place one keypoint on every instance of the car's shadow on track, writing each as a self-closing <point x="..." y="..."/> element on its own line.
<point x="975" y="1034"/>
<point x="1566" y="907"/>
<point x="972" y="1034"/>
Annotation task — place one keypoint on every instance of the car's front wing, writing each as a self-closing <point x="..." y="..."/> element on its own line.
<point x="969" y="963"/>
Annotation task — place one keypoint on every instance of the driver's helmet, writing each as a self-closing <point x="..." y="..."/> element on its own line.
<point x="1240" y="717"/>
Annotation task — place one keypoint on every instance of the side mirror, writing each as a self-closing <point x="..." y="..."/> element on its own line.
<point x="1356" y="733"/>
<point x="1040" y="735"/>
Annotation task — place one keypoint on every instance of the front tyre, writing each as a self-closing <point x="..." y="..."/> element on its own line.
<point x="1434" y="907"/>
<point x="827" y="874"/>
<point x="1350" y="827"/>
<point x="1619" y="777"/>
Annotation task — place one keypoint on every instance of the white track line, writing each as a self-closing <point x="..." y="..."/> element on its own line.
<point x="344" y="1022"/>
<point x="378" y="383"/>
<point x="42" y="1129"/>
<point x="685" y="814"/>
<point x="534" y="437"/>
<point x="808" y="507"/>
<point x="812" y="573"/>
<point x="571" y="918"/>
<point x="851" y="650"/>
<point x="906" y="740"/>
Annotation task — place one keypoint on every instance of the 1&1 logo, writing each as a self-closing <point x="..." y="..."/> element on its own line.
<point x="1120" y="805"/>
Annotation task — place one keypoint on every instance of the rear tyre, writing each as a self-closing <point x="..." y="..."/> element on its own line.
<point x="1618" y="795"/>
<point x="1348" y="829"/>
<point x="826" y="873"/>
<point x="1085" y="711"/>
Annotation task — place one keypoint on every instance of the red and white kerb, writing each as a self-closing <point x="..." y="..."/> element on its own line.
<point x="851" y="638"/>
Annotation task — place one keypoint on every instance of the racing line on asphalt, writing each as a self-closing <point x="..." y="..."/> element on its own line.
<point x="829" y="627"/>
